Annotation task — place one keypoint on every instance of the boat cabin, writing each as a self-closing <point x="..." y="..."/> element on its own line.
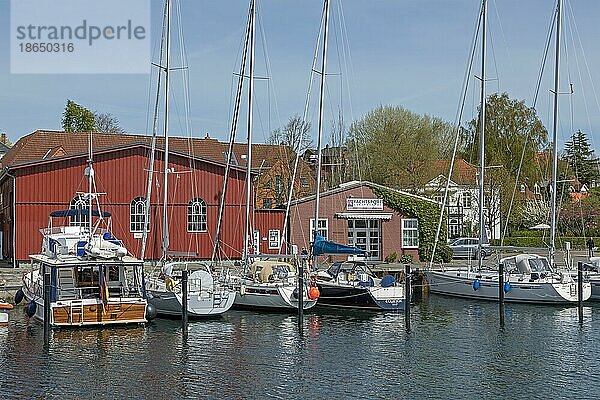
<point x="527" y="264"/>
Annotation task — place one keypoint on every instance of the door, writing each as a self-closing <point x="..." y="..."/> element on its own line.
<point x="366" y="234"/>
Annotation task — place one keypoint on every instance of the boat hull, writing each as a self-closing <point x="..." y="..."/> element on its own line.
<point x="362" y="298"/>
<point x="199" y="304"/>
<point x="461" y="284"/>
<point x="269" y="297"/>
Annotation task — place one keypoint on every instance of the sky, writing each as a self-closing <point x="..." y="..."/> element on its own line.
<point x="410" y="53"/>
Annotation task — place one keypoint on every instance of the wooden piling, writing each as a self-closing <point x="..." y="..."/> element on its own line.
<point x="300" y="264"/>
<point x="580" y="291"/>
<point x="184" y="301"/>
<point x="407" y="297"/>
<point x="46" y="306"/>
<point x="501" y="292"/>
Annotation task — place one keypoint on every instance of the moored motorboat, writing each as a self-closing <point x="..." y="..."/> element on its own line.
<point x="352" y="284"/>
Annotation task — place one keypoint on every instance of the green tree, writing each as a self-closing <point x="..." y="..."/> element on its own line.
<point x="393" y="146"/>
<point x="580" y="157"/>
<point x="77" y="118"/>
<point x="509" y="127"/>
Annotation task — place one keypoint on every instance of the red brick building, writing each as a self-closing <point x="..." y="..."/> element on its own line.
<point x="44" y="170"/>
<point x="352" y="214"/>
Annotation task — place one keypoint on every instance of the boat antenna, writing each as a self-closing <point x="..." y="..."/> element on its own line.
<point x="554" y="136"/>
<point x="320" y="130"/>
<point x="482" y="137"/>
<point x="165" y="230"/>
<point x="249" y="138"/>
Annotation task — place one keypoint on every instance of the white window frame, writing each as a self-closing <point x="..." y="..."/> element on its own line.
<point x="466" y="199"/>
<point x="405" y="229"/>
<point x="196" y="221"/>
<point x="322" y="229"/>
<point x="274" y="239"/>
<point x="136" y="219"/>
<point x="79" y="202"/>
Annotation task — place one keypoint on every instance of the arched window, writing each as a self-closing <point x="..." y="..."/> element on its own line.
<point x="137" y="214"/>
<point x="196" y="215"/>
<point x="80" y="202"/>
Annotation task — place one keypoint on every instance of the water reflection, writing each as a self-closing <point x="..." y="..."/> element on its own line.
<point x="456" y="349"/>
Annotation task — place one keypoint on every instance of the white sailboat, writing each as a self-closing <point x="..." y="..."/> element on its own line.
<point x="264" y="284"/>
<point x="528" y="278"/>
<point x="206" y="295"/>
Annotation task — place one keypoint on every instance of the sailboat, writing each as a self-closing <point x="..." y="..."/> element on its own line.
<point x="529" y="278"/>
<point x="264" y="284"/>
<point x="206" y="295"/>
<point x="94" y="280"/>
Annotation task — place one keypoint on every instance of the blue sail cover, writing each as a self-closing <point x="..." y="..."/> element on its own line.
<point x="77" y="212"/>
<point x="322" y="246"/>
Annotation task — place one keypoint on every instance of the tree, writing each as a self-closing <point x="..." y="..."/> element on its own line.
<point x="580" y="157"/>
<point x="106" y="123"/>
<point x="509" y="126"/>
<point x="393" y="146"/>
<point x="77" y="118"/>
<point x="290" y="134"/>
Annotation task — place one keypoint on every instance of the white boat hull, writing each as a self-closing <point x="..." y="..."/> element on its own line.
<point x="461" y="284"/>
<point x="269" y="297"/>
<point x="198" y="304"/>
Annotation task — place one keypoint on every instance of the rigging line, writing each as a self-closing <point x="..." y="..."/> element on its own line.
<point x="534" y="105"/>
<point x="151" y="162"/>
<point x="232" y="134"/>
<point x="458" y="119"/>
<point x="302" y="130"/>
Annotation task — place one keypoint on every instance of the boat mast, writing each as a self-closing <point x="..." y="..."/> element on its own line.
<point x="554" y="136"/>
<point x="153" y="142"/>
<point x="482" y="136"/>
<point x="90" y="176"/>
<point x="234" y="125"/>
<point x="247" y="230"/>
<point x="165" y="230"/>
<point x="320" y="131"/>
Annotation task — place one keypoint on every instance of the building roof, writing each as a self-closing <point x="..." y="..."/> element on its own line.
<point x="354" y="184"/>
<point x="43" y="144"/>
<point x="463" y="173"/>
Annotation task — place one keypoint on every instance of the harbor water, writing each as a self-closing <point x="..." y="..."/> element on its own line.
<point x="456" y="349"/>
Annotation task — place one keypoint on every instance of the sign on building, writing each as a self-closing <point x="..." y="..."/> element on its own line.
<point x="354" y="204"/>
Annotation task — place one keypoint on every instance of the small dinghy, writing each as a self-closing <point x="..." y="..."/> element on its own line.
<point x="4" y="305"/>
<point x="3" y="319"/>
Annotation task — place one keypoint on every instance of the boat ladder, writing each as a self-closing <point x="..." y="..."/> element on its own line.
<point x="76" y="313"/>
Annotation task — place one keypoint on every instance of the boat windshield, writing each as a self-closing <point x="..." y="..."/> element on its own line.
<point x="539" y="265"/>
<point x="356" y="267"/>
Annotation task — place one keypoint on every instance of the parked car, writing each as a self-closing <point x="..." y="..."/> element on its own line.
<point x="468" y="247"/>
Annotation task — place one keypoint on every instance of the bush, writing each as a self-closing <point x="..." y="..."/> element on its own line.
<point x="577" y="243"/>
<point x="406" y="259"/>
<point x="391" y="258"/>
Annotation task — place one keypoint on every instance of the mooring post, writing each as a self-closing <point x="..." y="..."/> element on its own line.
<point x="300" y="265"/>
<point x="501" y="292"/>
<point x="580" y="291"/>
<point x="184" y="301"/>
<point x="46" y="306"/>
<point x="407" y="296"/>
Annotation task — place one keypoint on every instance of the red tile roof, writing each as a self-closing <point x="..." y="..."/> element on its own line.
<point x="43" y="144"/>
<point x="463" y="172"/>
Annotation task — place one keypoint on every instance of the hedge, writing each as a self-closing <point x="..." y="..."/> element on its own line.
<point x="577" y="243"/>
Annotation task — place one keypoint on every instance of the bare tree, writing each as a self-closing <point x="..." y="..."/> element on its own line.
<point x="106" y="123"/>
<point x="291" y="133"/>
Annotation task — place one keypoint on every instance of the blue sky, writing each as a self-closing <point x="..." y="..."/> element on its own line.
<point x="411" y="53"/>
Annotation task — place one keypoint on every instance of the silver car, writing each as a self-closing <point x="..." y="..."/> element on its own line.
<point x="467" y="248"/>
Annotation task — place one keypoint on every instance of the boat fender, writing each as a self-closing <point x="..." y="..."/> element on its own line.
<point x="19" y="296"/>
<point x="388" y="281"/>
<point x="151" y="312"/>
<point x="476" y="284"/>
<point x="506" y="287"/>
<point x="295" y="294"/>
<point x="242" y="289"/>
<point x="313" y="293"/>
<point x="31" y="309"/>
